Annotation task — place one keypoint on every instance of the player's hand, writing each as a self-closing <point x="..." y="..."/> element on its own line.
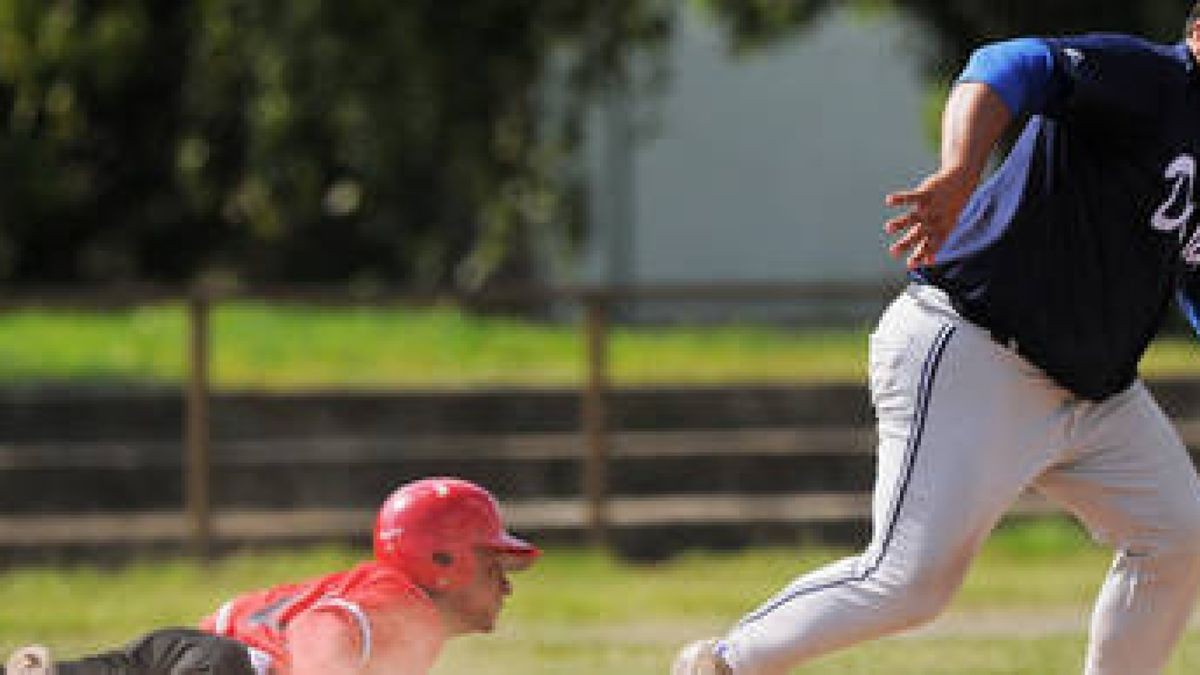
<point x="932" y="211"/>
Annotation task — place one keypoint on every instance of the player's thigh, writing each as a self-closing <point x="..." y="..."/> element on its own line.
<point x="185" y="651"/>
<point x="964" y="426"/>
<point x="1130" y="478"/>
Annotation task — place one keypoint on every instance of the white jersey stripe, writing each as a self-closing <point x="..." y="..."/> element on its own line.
<point x="223" y="621"/>
<point x="360" y="617"/>
<point x="260" y="661"/>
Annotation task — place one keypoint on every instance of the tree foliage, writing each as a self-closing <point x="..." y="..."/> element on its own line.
<point x="950" y="30"/>
<point x="419" y="142"/>
<point x="297" y="140"/>
<point x="955" y="28"/>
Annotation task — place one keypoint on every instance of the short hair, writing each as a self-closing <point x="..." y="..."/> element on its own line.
<point x="1192" y="17"/>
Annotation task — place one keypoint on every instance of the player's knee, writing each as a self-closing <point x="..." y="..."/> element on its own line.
<point x="922" y="595"/>
<point x="185" y="651"/>
<point x="1178" y="538"/>
<point x="227" y="657"/>
<point x="1171" y="552"/>
<point x="922" y="605"/>
<point x="1182" y="549"/>
<point x="1187" y="548"/>
<point x="1188" y="534"/>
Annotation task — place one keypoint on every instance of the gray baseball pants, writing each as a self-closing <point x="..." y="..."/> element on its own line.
<point x="965" y="425"/>
<point x="170" y="651"/>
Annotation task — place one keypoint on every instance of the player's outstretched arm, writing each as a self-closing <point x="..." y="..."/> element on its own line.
<point x="973" y="120"/>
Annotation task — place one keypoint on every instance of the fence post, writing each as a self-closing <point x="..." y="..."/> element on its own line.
<point x="197" y="467"/>
<point x="595" y="417"/>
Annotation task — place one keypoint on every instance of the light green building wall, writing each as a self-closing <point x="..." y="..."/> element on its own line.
<point x="772" y="167"/>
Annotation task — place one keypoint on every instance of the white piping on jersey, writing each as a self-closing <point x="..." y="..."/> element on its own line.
<point x="364" y="624"/>
<point x="224" y="614"/>
<point x="260" y="661"/>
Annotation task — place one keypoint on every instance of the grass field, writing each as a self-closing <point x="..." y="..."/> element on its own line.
<point x="256" y="346"/>
<point x="1022" y="610"/>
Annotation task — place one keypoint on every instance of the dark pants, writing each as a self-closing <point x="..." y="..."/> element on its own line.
<point x="171" y="651"/>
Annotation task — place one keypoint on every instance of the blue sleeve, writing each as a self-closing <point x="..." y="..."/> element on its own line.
<point x="1021" y="71"/>
<point x="1188" y="298"/>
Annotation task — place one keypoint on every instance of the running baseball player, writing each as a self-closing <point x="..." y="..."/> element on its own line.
<point x="440" y="570"/>
<point x="1011" y="359"/>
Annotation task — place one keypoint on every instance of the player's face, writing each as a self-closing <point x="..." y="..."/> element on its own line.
<point x="478" y="604"/>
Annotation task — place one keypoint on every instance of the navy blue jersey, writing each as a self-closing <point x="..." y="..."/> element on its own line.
<point x="1074" y="247"/>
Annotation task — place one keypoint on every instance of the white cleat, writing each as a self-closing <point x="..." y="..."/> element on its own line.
<point x="31" y="660"/>
<point x="700" y="658"/>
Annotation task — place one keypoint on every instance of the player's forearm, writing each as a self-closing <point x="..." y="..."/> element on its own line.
<point x="972" y="122"/>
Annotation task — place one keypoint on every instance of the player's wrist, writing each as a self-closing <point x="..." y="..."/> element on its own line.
<point x="959" y="178"/>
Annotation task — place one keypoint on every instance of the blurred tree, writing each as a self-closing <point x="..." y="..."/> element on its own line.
<point x="399" y="142"/>
<point x="299" y="140"/>
<point x="955" y="28"/>
<point x="423" y="143"/>
<point x="951" y="30"/>
<point x="90" y="106"/>
<point x="751" y="24"/>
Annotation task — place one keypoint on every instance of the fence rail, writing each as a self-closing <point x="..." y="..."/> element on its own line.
<point x="600" y="445"/>
<point x="543" y="515"/>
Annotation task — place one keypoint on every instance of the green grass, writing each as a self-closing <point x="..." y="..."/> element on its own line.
<point x="1022" y="610"/>
<point x="289" y="347"/>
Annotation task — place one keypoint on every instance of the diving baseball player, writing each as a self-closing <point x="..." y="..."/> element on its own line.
<point x="1011" y="359"/>
<point x="440" y="570"/>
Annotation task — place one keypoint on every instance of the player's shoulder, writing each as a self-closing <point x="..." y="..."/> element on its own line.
<point x="375" y="583"/>
<point x="406" y="627"/>
<point x="372" y="571"/>
<point x="1123" y="45"/>
<point x="1123" y="61"/>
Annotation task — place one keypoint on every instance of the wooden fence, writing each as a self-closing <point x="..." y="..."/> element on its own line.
<point x="595" y="304"/>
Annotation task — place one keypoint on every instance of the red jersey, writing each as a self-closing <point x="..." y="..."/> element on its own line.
<point x="260" y="619"/>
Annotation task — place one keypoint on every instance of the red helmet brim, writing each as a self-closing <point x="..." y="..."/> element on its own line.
<point x="516" y="554"/>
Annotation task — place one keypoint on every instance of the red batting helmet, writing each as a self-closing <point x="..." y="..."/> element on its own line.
<point x="430" y="528"/>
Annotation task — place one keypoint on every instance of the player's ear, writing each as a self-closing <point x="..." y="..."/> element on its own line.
<point x="1190" y="28"/>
